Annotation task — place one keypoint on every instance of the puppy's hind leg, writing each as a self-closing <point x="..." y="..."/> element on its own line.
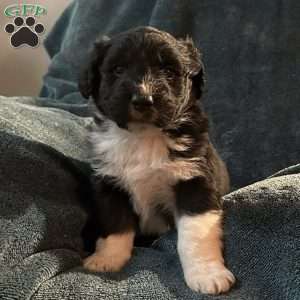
<point x="199" y="239"/>
<point x="117" y="222"/>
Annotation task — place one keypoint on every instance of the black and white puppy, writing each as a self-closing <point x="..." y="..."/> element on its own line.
<point x="155" y="164"/>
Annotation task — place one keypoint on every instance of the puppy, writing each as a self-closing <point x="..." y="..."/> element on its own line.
<point x="153" y="158"/>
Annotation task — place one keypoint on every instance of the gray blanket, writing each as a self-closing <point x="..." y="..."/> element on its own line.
<point x="251" y="52"/>
<point x="43" y="173"/>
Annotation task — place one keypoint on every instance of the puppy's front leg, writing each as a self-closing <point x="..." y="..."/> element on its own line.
<point x="115" y="217"/>
<point x="200" y="238"/>
<point x="111" y="254"/>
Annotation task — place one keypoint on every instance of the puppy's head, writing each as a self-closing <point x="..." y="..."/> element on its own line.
<point x="143" y="75"/>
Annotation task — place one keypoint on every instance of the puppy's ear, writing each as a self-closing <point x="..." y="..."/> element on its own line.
<point x="90" y="76"/>
<point x="196" y="67"/>
<point x="198" y="81"/>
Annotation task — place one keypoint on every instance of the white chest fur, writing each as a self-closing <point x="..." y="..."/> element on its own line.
<point x="138" y="159"/>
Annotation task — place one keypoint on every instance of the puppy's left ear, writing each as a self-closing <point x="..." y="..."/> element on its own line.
<point x="196" y="67"/>
<point x="90" y="77"/>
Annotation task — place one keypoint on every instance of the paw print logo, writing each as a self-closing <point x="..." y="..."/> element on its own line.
<point x="24" y="32"/>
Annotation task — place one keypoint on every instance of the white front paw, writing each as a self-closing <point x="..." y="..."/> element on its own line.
<point x="209" y="278"/>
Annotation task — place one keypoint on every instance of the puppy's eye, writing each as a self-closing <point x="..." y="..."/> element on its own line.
<point x="172" y="72"/>
<point x="118" y="71"/>
<point x="170" y="69"/>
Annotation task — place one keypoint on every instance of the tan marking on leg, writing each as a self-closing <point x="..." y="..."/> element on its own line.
<point x="200" y="251"/>
<point x="111" y="254"/>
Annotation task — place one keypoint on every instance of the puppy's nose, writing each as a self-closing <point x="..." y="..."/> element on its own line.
<point x="141" y="102"/>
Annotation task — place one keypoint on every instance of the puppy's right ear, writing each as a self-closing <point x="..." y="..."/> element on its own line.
<point x="196" y="68"/>
<point x="90" y="77"/>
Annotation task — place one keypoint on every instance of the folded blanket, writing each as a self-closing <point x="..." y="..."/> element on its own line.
<point x="44" y="177"/>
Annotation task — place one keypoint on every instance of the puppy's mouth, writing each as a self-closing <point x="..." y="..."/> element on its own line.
<point x="148" y="115"/>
